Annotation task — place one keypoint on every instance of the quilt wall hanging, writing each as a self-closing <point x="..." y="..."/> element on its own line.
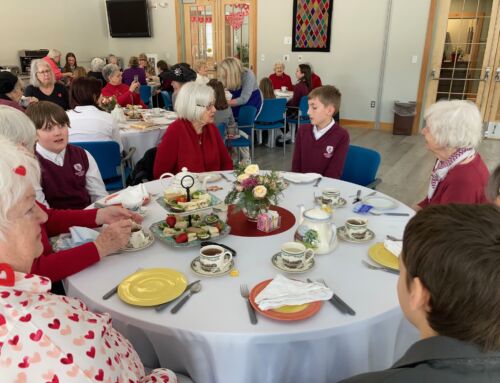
<point x="312" y="25"/>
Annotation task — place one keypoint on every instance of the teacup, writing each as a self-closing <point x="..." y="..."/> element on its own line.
<point x="156" y="111"/>
<point x="330" y="195"/>
<point x="137" y="237"/>
<point x="356" y="227"/>
<point x="213" y="257"/>
<point x="295" y="254"/>
<point x="284" y="88"/>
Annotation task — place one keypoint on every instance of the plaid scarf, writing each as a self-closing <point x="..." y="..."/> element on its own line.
<point x="442" y="168"/>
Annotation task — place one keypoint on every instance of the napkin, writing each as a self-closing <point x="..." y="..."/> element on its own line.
<point x="77" y="236"/>
<point x="286" y="292"/>
<point x="132" y="193"/>
<point x="394" y="247"/>
<point x="301" y="177"/>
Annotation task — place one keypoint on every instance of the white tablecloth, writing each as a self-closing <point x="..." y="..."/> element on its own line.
<point x="212" y="339"/>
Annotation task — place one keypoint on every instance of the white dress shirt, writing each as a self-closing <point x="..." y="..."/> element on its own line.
<point x="94" y="184"/>
<point x="87" y="123"/>
<point x="320" y="133"/>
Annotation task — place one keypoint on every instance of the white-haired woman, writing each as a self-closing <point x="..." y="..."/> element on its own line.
<point x="53" y="58"/>
<point x="123" y="93"/>
<point x="192" y="141"/>
<point x="452" y="132"/>
<point x="96" y="66"/>
<point x="11" y="92"/>
<point x="44" y="87"/>
<point x="493" y="188"/>
<point x="241" y="83"/>
<point x="279" y="78"/>
<point x="17" y="127"/>
<point x="46" y="335"/>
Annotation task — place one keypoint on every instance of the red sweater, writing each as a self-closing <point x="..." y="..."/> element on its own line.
<point x="316" y="81"/>
<point x="62" y="264"/>
<point x="123" y="95"/>
<point x="463" y="184"/>
<point x="279" y="81"/>
<point x="181" y="146"/>
<point x="325" y="156"/>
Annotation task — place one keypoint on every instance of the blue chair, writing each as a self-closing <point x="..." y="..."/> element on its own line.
<point x="302" y="117"/>
<point x="222" y="130"/>
<point x="113" y="167"/>
<point x="361" y="166"/>
<point x="246" y="119"/>
<point x="167" y="100"/>
<point x="271" y="117"/>
<point x="146" y="95"/>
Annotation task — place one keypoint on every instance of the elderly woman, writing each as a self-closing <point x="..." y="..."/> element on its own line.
<point x="44" y="87"/>
<point x="452" y="133"/>
<point x="123" y="93"/>
<point x="96" y="66"/>
<point x="241" y="83"/>
<point x="179" y="74"/>
<point x="279" y="78"/>
<point x="58" y="265"/>
<point x="134" y="72"/>
<point x="192" y="141"/>
<point x="144" y="64"/>
<point x="31" y="318"/>
<point x="88" y="122"/>
<point x="493" y="189"/>
<point x="11" y="92"/>
<point x="52" y="59"/>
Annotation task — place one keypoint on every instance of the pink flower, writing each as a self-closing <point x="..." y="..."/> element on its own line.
<point x="249" y="183"/>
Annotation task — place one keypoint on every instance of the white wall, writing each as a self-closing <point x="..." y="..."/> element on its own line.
<point x="353" y="64"/>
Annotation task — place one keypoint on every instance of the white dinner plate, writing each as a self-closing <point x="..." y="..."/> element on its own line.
<point x="300" y="178"/>
<point x="380" y="202"/>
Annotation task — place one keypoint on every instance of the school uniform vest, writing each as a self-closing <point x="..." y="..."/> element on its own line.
<point x="65" y="186"/>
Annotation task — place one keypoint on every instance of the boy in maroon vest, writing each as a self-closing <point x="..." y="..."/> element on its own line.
<point x="321" y="147"/>
<point x="70" y="176"/>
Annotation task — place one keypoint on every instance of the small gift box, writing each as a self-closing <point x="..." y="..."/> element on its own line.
<point x="268" y="221"/>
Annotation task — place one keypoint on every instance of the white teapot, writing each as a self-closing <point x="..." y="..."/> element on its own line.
<point x="175" y="184"/>
<point x="316" y="230"/>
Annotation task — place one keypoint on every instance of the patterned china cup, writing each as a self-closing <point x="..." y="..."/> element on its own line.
<point x="213" y="258"/>
<point x="137" y="237"/>
<point x="330" y="195"/>
<point x="356" y="227"/>
<point x="295" y="254"/>
<point x="284" y="88"/>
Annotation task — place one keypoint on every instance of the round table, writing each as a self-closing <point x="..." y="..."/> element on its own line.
<point x="212" y="339"/>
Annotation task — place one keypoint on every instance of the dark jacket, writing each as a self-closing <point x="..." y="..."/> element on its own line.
<point x="441" y="360"/>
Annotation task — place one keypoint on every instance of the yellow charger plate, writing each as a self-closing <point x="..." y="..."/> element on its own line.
<point x="382" y="256"/>
<point x="152" y="287"/>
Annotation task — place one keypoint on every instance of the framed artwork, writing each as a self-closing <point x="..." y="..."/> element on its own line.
<point x="153" y="60"/>
<point x="312" y="25"/>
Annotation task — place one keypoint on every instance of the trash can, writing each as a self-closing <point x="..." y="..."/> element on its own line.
<point x="404" y="113"/>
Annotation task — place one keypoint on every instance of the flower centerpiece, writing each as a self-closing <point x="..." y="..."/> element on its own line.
<point x="254" y="192"/>
<point x="107" y="103"/>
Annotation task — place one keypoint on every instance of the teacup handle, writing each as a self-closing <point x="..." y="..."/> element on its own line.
<point x="309" y="254"/>
<point x="164" y="175"/>
<point x="228" y="257"/>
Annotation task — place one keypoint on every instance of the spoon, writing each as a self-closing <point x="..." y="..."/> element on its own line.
<point x="393" y="238"/>
<point x="196" y="288"/>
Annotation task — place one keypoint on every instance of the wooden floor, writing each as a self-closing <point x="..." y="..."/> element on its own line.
<point x="406" y="164"/>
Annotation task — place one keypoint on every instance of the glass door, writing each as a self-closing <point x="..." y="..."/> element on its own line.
<point x="493" y="104"/>
<point x="212" y="30"/>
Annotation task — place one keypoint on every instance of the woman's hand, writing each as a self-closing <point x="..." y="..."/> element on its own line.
<point x="232" y="102"/>
<point x="113" y="238"/>
<point x="113" y="214"/>
<point x="67" y="74"/>
<point x="134" y="86"/>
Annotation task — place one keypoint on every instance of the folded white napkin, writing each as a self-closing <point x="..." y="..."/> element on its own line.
<point x="77" y="236"/>
<point x="394" y="247"/>
<point x="130" y="194"/>
<point x="301" y="177"/>
<point x="286" y="292"/>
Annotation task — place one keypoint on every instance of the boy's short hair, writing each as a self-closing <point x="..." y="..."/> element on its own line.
<point x="455" y="251"/>
<point x="46" y="112"/>
<point x="327" y="95"/>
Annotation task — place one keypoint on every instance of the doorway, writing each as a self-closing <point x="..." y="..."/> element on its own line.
<point x="465" y="57"/>
<point x="211" y="30"/>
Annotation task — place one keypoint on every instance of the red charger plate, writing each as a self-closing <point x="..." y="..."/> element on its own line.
<point x="286" y="313"/>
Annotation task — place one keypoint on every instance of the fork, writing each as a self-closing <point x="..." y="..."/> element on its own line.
<point x="251" y="312"/>
<point x="381" y="268"/>
<point x="225" y="177"/>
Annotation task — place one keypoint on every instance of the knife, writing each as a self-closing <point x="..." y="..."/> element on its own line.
<point x="358" y="196"/>
<point x="318" y="181"/>
<point x="397" y="214"/>
<point x="166" y="304"/>
<point x="338" y="303"/>
<point x="114" y="290"/>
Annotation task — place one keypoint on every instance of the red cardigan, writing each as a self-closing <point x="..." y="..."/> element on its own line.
<point x="181" y="146"/>
<point x="123" y="95"/>
<point x="315" y="81"/>
<point x="62" y="264"/>
<point x="279" y="81"/>
<point x="463" y="184"/>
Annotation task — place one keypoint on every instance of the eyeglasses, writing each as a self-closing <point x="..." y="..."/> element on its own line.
<point x="207" y="107"/>
<point x="44" y="72"/>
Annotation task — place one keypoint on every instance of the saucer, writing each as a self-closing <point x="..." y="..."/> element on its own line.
<point x="196" y="267"/>
<point x="340" y="203"/>
<point x="149" y="241"/>
<point x="342" y="234"/>
<point x="278" y="263"/>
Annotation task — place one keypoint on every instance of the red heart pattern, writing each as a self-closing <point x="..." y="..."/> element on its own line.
<point x="90" y="335"/>
<point x="68" y="359"/>
<point x="36" y="336"/>
<point x="10" y="277"/>
<point x="100" y="375"/>
<point x="56" y="323"/>
<point x="91" y="353"/>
